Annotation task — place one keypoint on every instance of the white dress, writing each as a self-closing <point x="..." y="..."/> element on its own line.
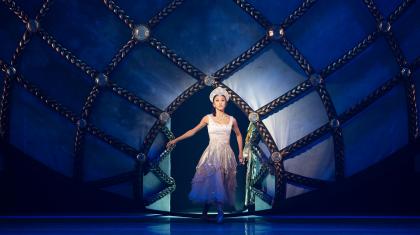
<point x="215" y="176"/>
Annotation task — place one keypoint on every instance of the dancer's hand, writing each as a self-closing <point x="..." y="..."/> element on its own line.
<point x="171" y="143"/>
<point x="241" y="159"/>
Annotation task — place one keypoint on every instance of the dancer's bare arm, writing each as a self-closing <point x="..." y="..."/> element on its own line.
<point x="190" y="132"/>
<point x="238" y="139"/>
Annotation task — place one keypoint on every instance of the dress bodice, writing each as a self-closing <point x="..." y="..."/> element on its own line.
<point x="219" y="133"/>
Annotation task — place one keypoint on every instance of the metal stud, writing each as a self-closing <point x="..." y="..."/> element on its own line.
<point x="141" y="157"/>
<point x="276" y="157"/>
<point x="275" y="32"/>
<point x="315" y="79"/>
<point x="32" y="26"/>
<point x="81" y="123"/>
<point x="141" y="32"/>
<point x="164" y="117"/>
<point x="209" y="80"/>
<point x="384" y="26"/>
<point x="281" y="32"/>
<point x="334" y="123"/>
<point x="10" y="71"/>
<point x="406" y="72"/>
<point x="101" y="79"/>
<point x="253" y="117"/>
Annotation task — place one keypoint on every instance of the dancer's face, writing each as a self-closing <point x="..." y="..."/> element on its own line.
<point x="219" y="102"/>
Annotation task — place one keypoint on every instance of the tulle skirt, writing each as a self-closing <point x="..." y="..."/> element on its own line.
<point x="215" y="178"/>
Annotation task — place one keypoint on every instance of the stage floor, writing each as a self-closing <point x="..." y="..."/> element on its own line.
<point x="158" y="224"/>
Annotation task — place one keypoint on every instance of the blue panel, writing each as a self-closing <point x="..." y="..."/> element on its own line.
<point x="41" y="133"/>
<point x="329" y="29"/>
<point x="316" y="162"/>
<point x="264" y="149"/>
<point x="269" y="185"/>
<point x="409" y="37"/>
<point x="274" y="71"/>
<point x="383" y="124"/>
<point x="124" y="189"/>
<point x="93" y="34"/>
<point x="11" y="31"/>
<point x="276" y="11"/>
<point x="31" y="7"/>
<point x="158" y="146"/>
<point x="296" y="120"/>
<point x="151" y="185"/>
<point x="209" y="34"/>
<point x="101" y="160"/>
<point x="121" y="119"/>
<point x="54" y="75"/>
<point x="152" y="77"/>
<point x="142" y="11"/>
<point x="295" y="190"/>
<point x="362" y="75"/>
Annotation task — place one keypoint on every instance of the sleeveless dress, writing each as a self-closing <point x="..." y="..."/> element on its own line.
<point x="215" y="177"/>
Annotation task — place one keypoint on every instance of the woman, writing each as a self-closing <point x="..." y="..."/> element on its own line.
<point x="214" y="181"/>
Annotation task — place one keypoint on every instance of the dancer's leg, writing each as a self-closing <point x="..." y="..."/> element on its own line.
<point x="206" y="208"/>
<point x="205" y="211"/>
<point x="219" y="212"/>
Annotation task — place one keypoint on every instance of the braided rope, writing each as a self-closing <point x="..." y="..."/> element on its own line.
<point x="44" y="9"/>
<point x="78" y="172"/>
<point x="178" y="61"/>
<point x="288" y="151"/>
<point x="185" y="95"/>
<point x="373" y="10"/>
<point x="413" y="127"/>
<point x="237" y="100"/>
<point x="358" y="49"/>
<point x="53" y="104"/>
<point x="396" y="50"/>
<point x="80" y="134"/>
<point x="242" y="59"/>
<point x="119" y="13"/>
<point x="156" y="19"/>
<point x="264" y="196"/>
<point x="382" y="90"/>
<point x="280" y="185"/>
<point x="21" y="45"/>
<point x="298" y="13"/>
<point x="123" y="52"/>
<point x="266" y="136"/>
<point x="400" y="10"/>
<point x="258" y="17"/>
<point x="4" y="107"/>
<point x="339" y="161"/>
<point x="135" y="100"/>
<point x="16" y="10"/>
<point x="285" y="99"/>
<point x="151" y="135"/>
<point x="302" y="180"/>
<point x="114" y="142"/>
<point x="66" y="53"/>
<point x="294" y="52"/>
<point x="326" y="100"/>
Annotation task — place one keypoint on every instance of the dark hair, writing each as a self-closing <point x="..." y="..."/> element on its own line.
<point x="214" y="110"/>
